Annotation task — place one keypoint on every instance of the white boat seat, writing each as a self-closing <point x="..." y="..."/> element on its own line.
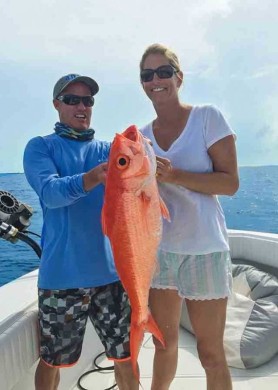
<point x="251" y="332"/>
<point x="19" y="348"/>
<point x="18" y="329"/>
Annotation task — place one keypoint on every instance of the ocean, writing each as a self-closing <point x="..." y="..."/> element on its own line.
<point x="253" y="207"/>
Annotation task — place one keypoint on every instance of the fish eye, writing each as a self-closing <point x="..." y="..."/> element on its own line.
<point x="122" y="162"/>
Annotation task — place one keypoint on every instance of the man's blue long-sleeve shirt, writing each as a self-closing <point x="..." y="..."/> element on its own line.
<point x="75" y="253"/>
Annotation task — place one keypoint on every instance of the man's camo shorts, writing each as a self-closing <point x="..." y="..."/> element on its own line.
<point x="63" y="316"/>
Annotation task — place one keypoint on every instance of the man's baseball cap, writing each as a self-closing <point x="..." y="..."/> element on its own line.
<point x="64" y="81"/>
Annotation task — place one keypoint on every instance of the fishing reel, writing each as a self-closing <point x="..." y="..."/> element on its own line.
<point x="13" y="212"/>
<point x="14" y="220"/>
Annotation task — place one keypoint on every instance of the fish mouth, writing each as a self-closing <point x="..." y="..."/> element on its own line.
<point x="130" y="138"/>
<point x="131" y="133"/>
<point x="136" y="143"/>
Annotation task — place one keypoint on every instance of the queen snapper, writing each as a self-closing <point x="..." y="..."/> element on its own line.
<point x="131" y="218"/>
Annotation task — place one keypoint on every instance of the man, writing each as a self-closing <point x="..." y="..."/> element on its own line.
<point x="77" y="276"/>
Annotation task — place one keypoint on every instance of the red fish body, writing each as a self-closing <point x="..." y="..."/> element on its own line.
<point x="131" y="218"/>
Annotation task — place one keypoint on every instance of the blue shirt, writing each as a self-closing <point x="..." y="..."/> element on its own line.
<point x="75" y="253"/>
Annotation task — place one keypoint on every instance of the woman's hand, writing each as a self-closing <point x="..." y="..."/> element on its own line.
<point x="164" y="170"/>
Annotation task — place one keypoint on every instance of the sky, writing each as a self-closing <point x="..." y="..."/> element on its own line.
<point x="227" y="48"/>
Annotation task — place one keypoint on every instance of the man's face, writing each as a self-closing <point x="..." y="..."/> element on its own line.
<point x="79" y="116"/>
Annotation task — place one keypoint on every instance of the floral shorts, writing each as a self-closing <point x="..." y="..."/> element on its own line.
<point x="63" y="316"/>
<point x="197" y="277"/>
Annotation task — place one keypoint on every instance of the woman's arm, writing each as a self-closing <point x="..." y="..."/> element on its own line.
<point x="223" y="180"/>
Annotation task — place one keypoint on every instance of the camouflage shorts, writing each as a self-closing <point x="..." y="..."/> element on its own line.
<point x="63" y="315"/>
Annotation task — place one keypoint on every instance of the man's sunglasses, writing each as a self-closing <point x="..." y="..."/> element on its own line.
<point x="73" y="100"/>
<point x="163" y="72"/>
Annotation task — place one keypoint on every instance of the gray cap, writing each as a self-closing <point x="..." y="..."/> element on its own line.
<point x="64" y="81"/>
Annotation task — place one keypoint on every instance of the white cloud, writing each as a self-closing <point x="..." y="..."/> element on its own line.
<point x="97" y="29"/>
<point x="266" y="71"/>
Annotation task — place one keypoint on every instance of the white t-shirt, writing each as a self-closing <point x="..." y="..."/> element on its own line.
<point x="197" y="220"/>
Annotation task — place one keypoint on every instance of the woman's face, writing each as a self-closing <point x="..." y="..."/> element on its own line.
<point x="161" y="90"/>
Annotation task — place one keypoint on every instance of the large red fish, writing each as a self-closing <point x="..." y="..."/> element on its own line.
<point x="131" y="218"/>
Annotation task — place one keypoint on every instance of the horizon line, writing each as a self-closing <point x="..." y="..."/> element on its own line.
<point x="240" y="166"/>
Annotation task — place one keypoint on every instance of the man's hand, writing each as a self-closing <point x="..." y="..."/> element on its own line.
<point x="101" y="172"/>
<point x="95" y="176"/>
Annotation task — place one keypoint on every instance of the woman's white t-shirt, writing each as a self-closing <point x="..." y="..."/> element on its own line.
<point x="197" y="220"/>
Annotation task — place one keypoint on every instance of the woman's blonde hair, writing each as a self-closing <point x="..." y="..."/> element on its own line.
<point x="158" y="48"/>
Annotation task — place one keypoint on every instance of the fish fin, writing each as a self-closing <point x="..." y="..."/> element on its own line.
<point x="145" y="197"/>
<point x="136" y="337"/>
<point x="142" y="194"/>
<point x="103" y="221"/>
<point x="152" y="327"/>
<point x="164" y="210"/>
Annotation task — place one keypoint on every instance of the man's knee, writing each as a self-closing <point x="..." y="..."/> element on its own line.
<point x="123" y="369"/>
<point x="124" y="375"/>
<point x="46" y="377"/>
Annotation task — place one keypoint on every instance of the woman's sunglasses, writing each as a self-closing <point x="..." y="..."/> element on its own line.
<point x="163" y="72"/>
<point x="73" y="100"/>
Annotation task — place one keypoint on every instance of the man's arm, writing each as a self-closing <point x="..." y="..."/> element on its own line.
<point x="55" y="191"/>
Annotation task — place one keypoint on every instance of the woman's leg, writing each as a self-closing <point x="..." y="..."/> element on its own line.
<point x="165" y="307"/>
<point x="208" y="319"/>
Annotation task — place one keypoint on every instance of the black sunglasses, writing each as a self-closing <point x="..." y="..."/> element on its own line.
<point x="163" y="72"/>
<point x="73" y="100"/>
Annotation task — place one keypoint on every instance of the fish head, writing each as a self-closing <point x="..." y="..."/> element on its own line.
<point x="129" y="163"/>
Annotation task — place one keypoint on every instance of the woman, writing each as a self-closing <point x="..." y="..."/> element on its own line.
<point x="196" y="162"/>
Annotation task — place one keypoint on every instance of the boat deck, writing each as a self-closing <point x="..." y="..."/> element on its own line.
<point x="19" y="338"/>
<point x="190" y="374"/>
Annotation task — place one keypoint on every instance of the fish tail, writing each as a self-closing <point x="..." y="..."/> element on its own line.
<point x="136" y="337"/>
<point x="152" y="327"/>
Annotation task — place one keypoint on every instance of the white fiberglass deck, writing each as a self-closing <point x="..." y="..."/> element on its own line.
<point x="190" y="374"/>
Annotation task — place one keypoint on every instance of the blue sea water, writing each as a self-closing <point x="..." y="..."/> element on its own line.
<point x="253" y="207"/>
